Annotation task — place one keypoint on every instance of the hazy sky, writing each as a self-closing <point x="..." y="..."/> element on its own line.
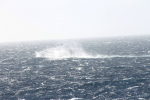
<point x="59" y="19"/>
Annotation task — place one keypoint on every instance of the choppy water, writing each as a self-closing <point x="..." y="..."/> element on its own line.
<point x="117" y="68"/>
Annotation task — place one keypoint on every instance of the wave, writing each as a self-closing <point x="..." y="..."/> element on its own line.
<point x="74" y="50"/>
<point x="70" y="50"/>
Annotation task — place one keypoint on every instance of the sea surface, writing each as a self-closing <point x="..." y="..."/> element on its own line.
<point x="95" y="69"/>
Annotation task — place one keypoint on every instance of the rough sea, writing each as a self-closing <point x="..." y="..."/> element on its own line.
<point x="84" y="69"/>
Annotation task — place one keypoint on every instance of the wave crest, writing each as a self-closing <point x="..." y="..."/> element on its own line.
<point x="70" y="50"/>
<point x="74" y="50"/>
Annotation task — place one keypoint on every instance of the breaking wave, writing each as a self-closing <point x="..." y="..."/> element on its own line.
<point x="74" y="50"/>
<point x="69" y="50"/>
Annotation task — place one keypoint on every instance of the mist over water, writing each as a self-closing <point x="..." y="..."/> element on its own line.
<point x="64" y="50"/>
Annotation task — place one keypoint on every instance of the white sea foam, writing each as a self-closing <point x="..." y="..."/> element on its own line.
<point x="76" y="99"/>
<point x="74" y="50"/>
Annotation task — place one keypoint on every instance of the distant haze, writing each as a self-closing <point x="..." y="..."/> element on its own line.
<point x="23" y="20"/>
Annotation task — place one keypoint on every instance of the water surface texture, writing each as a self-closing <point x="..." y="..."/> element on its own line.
<point x="98" y="69"/>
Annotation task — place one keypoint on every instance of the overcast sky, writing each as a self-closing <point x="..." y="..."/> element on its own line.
<point x="60" y="19"/>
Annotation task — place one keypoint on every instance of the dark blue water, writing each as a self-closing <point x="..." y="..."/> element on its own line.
<point x="102" y="68"/>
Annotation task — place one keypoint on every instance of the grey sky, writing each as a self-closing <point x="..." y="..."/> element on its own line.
<point x="60" y="19"/>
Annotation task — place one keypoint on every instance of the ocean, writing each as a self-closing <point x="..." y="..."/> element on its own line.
<point x="115" y="68"/>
